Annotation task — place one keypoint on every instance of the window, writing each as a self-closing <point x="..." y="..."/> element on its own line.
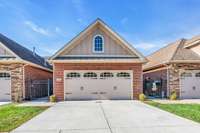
<point x="4" y="75"/>
<point x="90" y="75"/>
<point x="73" y="75"/>
<point x="106" y="74"/>
<point x="186" y="74"/>
<point x="197" y="74"/>
<point x="123" y="74"/>
<point x="98" y="44"/>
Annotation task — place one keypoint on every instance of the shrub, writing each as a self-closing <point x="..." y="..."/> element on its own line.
<point x="52" y="98"/>
<point x="142" y="97"/>
<point x="173" y="95"/>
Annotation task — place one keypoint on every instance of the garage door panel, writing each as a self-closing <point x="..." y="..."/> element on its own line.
<point x="5" y="87"/>
<point x="190" y="85"/>
<point x="105" y="87"/>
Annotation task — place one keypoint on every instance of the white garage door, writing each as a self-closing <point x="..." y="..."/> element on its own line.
<point x="190" y="84"/>
<point x="5" y="86"/>
<point x="93" y="85"/>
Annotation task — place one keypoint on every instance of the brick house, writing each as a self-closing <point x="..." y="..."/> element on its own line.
<point x="176" y="67"/>
<point x="97" y="64"/>
<point x="18" y="67"/>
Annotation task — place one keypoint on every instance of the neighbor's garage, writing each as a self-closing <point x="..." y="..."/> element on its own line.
<point x="190" y="84"/>
<point x="5" y="86"/>
<point x="99" y="84"/>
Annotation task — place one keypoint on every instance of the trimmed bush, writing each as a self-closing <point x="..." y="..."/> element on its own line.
<point x="173" y="96"/>
<point x="142" y="97"/>
<point x="52" y="98"/>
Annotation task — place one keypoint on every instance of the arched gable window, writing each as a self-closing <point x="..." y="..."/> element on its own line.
<point x="98" y="44"/>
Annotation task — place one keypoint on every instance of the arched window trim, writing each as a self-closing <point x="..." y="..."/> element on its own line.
<point x="106" y="75"/>
<point x="90" y="75"/>
<point x="123" y="75"/>
<point x="94" y="44"/>
<point x="197" y="74"/>
<point x="186" y="74"/>
<point x="73" y="75"/>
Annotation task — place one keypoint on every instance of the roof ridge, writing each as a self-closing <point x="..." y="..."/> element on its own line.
<point x="169" y="44"/>
<point x="182" y="41"/>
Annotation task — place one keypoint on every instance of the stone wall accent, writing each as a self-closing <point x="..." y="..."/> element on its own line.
<point x="16" y="71"/>
<point x="59" y="68"/>
<point x="174" y="74"/>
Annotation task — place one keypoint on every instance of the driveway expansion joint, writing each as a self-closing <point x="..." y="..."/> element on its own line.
<point x="104" y="114"/>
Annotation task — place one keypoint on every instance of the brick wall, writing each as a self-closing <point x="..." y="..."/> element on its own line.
<point x="34" y="74"/>
<point x="16" y="72"/>
<point x="59" y="68"/>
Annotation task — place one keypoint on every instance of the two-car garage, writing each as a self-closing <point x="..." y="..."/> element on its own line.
<point x="5" y="86"/>
<point x="98" y="84"/>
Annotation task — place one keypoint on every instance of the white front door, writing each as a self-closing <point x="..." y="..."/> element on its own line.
<point x="190" y="84"/>
<point x="101" y="84"/>
<point x="5" y="86"/>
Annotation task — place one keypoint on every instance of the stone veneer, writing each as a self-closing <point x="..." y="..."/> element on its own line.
<point x="174" y="73"/>
<point x="16" y="71"/>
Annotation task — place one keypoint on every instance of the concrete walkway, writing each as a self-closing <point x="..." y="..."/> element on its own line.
<point x="4" y="103"/>
<point x="37" y="102"/>
<point x="107" y="117"/>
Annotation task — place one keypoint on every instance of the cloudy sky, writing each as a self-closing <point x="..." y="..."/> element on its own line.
<point x="146" y="24"/>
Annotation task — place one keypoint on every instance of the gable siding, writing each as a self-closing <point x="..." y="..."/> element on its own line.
<point x="196" y="49"/>
<point x="3" y="52"/>
<point x="85" y="45"/>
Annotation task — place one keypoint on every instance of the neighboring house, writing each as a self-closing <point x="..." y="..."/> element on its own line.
<point x="19" y="68"/>
<point x="97" y="64"/>
<point x="175" y="67"/>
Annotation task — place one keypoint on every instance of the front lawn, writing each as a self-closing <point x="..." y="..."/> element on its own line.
<point x="12" y="116"/>
<point x="189" y="111"/>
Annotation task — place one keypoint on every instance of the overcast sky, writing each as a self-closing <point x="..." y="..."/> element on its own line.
<point x="146" y="24"/>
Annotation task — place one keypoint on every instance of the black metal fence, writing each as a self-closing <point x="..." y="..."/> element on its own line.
<point x="38" y="88"/>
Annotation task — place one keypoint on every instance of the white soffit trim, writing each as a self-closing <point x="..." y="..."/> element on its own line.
<point x="98" y="61"/>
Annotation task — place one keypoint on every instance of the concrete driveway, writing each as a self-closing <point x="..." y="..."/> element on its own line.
<point x="107" y="117"/>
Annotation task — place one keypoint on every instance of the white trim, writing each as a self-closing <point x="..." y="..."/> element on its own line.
<point x="93" y="44"/>
<point x="100" y="55"/>
<point x="129" y="71"/>
<point x="100" y="61"/>
<point x="185" y="61"/>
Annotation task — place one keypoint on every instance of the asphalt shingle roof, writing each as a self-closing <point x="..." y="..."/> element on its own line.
<point x="175" y="51"/>
<point x="23" y="52"/>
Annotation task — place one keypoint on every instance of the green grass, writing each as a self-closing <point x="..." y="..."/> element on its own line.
<point x="12" y="116"/>
<point x="189" y="111"/>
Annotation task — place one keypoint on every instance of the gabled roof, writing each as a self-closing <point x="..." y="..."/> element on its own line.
<point x="174" y="52"/>
<point x="24" y="53"/>
<point x="87" y="29"/>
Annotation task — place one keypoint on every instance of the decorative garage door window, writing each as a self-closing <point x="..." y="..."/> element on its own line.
<point x="90" y="75"/>
<point x="197" y="74"/>
<point x="123" y="75"/>
<point x="106" y="75"/>
<point x="186" y="74"/>
<point x="73" y="75"/>
<point x="4" y="75"/>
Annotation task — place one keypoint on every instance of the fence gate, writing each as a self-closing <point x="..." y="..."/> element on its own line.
<point x="38" y="88"/>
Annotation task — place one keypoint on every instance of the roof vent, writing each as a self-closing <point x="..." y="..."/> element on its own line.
<point x="34" y="51"/>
